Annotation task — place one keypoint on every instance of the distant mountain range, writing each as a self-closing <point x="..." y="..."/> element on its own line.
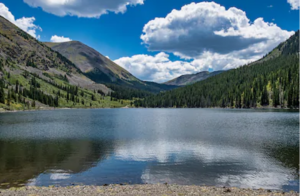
<point x="272" y="81"/>
<point x="70" y="74"/>
<point x="192" y="78"/>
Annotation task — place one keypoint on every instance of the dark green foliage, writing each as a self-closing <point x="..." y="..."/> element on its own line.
<point x="34" y="83"/>
<point x="17" y="87"/>
<point x="26" y="74"/>
<point x="242" y="88"/>
<point x="1" y="65"/>
<point x="2" y="94"/>
<point x="291" y="46"/>
<point x="64" y="78"/>
<point x="40" y="96"/>
<point x="30" y="63"/>
<point x="8" y="98"/>
<point x="72" y="91"/>
<point x="276" y="96"/>
<point x="81" y="93"/>
<point x="93" y="98"/>
<point x="265" y="97"/>
<point x="33" y="104"/>
<point x="101" y="93"/>
<point x="23" y="34"/>
<point x="121" y="92"/>
<point x="274" y="80"/>
<point x="47" y="75"/>
<point x="151" y="87"/>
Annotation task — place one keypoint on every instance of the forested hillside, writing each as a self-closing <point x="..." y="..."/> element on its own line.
<point x="271" y="81"/>
<point x="33" y="76"/>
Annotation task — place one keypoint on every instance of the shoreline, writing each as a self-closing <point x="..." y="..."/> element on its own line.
<point x="126" y="107"/>
<point x="51" y="109"/>
<point x="144" y="189"/>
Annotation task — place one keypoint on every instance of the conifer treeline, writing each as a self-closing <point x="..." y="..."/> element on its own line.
<point x="18" y="94"/>
<point x="2" y="84"/>
<point x="2" y="94"/>
<point x="274" y="82"/>
<point x="121" y="92"/>
<point x="72" y="91"/>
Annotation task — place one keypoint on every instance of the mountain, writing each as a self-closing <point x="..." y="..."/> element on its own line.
<point x="192" y="78"/>
<point x="272" y="81"/>
<point x="91" y="62"/>
<point x="289" y="47"/>
<point x="101" y="69"/>
<point x="32" y="75"/>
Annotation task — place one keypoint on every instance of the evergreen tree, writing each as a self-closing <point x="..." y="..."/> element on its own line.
<point x="8" y="98"/>
<point x="17" y="86"/>
<point x="2" y="95"/>
<point x="33" y="104"/>
<point x="242" y="87"/>
<point x="265" y="97"/>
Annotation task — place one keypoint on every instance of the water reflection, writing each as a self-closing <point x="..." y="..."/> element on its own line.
<point x="22" y="160"/>
<point x="251" y="149"/>
<point x="204" y="164"/>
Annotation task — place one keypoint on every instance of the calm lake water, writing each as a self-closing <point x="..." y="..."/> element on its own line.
<point x="240" y="148"/>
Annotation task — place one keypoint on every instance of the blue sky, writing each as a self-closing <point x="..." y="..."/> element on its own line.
<point x="193" y="41"/>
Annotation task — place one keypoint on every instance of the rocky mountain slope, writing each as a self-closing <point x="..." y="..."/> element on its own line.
<point x="91" y="62"/>
<point x="289" y="47"/>
<point x="100" y="69"/>
<point x="33" y="75"/>
<point x="192" y="78"/>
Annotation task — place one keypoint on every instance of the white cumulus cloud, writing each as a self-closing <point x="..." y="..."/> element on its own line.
<point x="209" y="35"/>
<point x="156" y="68"/>
<point x="59" y="39"/>
<point x="208" y="26"/>
<point x="26" y="24"/>
<point x="294" y="4"/>
<point x="160" y="68"/>
<point x="83" y="8"/>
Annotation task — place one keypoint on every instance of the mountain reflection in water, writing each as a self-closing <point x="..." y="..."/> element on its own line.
<point x="242" y="148"/>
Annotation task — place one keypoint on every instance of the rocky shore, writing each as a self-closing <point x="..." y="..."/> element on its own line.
<point x="147" y="189"/>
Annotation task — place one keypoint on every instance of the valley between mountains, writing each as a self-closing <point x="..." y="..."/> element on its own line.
<point x="36" y="75"/>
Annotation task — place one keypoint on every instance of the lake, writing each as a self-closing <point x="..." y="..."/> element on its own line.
<point x="220" y="147"/>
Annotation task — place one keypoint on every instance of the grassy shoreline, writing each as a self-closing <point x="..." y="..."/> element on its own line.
<point x="63" y="108"/>
<point x="126" y="107"/>
<point x="145" y="189"/>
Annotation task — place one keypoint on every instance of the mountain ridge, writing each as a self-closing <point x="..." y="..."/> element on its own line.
<point x="192" y="78"/>
<point x="100" y="69"/>
<point x="87" y="59"/>
<point x="33" y="76"/>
